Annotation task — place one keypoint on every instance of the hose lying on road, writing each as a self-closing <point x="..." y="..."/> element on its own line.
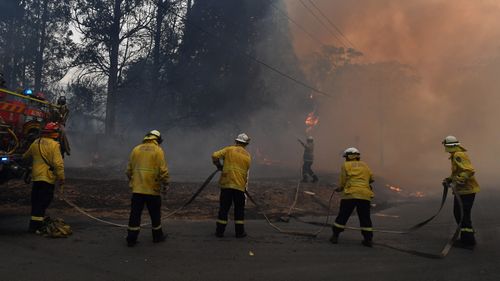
<point x="442" y="253"/>
<point x="447" y="247"/>
<point x="293" y="232"/>
<point x="193" y="197"/>
<point x="406" y="231"/>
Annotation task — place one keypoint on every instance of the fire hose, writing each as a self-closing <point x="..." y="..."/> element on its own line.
<point x="417" y="226"/>
<point x="292" y="232"/>
<point x="188" y="202"/>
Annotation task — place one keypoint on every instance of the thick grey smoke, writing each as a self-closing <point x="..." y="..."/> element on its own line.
<point x="430" y="69"/>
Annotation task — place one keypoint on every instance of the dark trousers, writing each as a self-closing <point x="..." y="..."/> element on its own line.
<point x="226" y="199"/>
<point x="307" y="171"/>
<point x="467" y="231"/>
<point x="42" y="194"/>
<point x="153" y="203"/>
<point x="362" y="207"/>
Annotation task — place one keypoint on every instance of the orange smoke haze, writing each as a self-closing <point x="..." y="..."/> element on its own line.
<point x="431" y="68"/>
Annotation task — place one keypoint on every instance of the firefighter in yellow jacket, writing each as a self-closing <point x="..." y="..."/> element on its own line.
<point x="47" y="169"/>
<point x="355" y="180"/>
<point x="462" y="177"/>
<point x="147" y="171"/>
<point x="233" y="183"/>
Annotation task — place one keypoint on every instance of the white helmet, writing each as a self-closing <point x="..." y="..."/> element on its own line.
<point x="310" y="138"/>
<point x="450" y="141"/>
<point x="153" y="135"/>
<point x="243" y="138"/>
<point x="351" y="151"/>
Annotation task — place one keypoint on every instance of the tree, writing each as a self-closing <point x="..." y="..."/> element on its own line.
<point x="112" y="38"/>
<point x="35" y="41"/>
<point x="52" y="38"/>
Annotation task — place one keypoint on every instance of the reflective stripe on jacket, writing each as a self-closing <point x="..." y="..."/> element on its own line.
<point x="355" y="179"/>
<point x="462" y="173"/>
<point x="147" y="168"/>
<point x="48" y="164"/>
<point x="236" y="165"/>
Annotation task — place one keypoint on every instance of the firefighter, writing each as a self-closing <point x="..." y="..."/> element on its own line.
<point x="147" y="171"/>
<point x="60" y="115"/>
<point x="462" y="177"/>
<point x="308" y="159"/>
<point x="60" y="112"/>
<point x="355" y="180"/>
<point x="233" y="183"/>
<point x="47" y="169"/>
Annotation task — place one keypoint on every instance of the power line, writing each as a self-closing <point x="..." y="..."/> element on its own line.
<point x="333" y="24"/>
<point x="323" y="24"/>
<point x="252" y="58"/>
<point x="295" y="23"/>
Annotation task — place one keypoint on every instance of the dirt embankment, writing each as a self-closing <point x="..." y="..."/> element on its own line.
<point x="107" y="196"/>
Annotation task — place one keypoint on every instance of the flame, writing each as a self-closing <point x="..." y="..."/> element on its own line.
<point x="417" y="194"/>
<point x="394" y="188"/>
<point x="311" y="121"/>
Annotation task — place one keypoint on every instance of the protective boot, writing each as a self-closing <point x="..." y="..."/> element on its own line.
<point x="367" y="241"/>
<point x="335" y="238"/>
<point x="315" y="178"/>
<point x="158" y="236"/>
<point x="34" y="226"/>
<point x="239" y="229"/>
<point x="467" y="239"/>
<point x="304" y="178"/>
<point x="132" y="237"/>
<point x="219" y="230"/>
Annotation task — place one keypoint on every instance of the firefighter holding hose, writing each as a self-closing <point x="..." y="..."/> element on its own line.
<point x="233" y="183"/>
<point x="147" y="170"/>
<point x="355" y="180"/>
<point x="462" y="177"/>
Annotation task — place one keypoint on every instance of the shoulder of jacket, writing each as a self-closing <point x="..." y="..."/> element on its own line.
<point x="459" y="155"/>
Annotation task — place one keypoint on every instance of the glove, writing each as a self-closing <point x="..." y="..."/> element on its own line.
<point x="447" y="181"/>
<point x="219" y="166"/>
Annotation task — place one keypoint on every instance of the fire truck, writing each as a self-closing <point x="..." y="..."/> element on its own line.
<point x="22" y="116"/>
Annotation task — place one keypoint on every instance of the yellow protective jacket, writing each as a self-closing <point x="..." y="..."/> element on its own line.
<point x="147" y="168"/>
<point x="462" y="173"/>
<point x="48" y="164"/>
<point x="235" y="169"/>
<point x="355" y="179"/>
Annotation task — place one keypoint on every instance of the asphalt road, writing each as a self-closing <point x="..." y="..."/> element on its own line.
<point x="98" y="252"/>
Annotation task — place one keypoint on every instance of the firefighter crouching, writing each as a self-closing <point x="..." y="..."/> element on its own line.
<point x="355" y="179"/>
<point x="147" y="170"/>
<point x="233" y="183"/>
<point x="462" y="177"/>
<point x="47" y="168"/>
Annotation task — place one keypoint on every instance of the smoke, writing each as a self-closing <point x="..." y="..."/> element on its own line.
<point x="429" y="70"/>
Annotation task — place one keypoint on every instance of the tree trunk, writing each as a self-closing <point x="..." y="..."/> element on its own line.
<point x="41" y="47"/>
<point x="113" y="69"/>
<point x="155" y="71"/>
